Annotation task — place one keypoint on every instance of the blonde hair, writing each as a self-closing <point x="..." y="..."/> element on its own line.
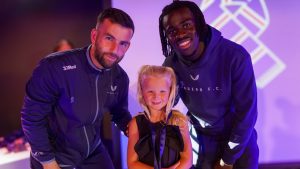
<point x="160" y="71"/>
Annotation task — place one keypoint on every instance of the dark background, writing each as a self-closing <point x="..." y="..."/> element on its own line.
<point x="29" y="30"/>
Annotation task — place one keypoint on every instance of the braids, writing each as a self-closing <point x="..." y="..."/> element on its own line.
<point x="166" y="48"/>
<point x="201" y="27"/>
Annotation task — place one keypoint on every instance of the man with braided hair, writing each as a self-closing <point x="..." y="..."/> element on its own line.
<point x="216" y="83"/>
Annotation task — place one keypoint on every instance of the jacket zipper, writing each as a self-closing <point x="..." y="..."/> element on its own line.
<point x="97" y="99"/>
<point x="87" y="140"/>
<point x="96" y="114"/>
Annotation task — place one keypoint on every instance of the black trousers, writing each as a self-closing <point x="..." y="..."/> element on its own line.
<point x="213" y="150"/>
<point x="98" y="159"/>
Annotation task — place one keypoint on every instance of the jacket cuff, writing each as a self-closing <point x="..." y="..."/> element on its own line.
<point x="123" y="126"/>
<point x="45" y="162"/>
<point x="43" y="157"/>
<point x="228" y="158"/>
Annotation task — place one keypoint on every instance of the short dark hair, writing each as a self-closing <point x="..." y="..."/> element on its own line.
<point x="116" y="16"/>
<point x="201" y="26"/>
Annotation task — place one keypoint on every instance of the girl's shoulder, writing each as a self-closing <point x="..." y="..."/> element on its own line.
<point x="140" y="120"/>
<point x="178" y="119"/>
<point x="177" y="113"/>
<point x="137" y="118"/>
<point x="140" y="116"/>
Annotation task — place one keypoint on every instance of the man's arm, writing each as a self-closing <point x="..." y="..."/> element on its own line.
<point x="245" y="104"/>
<point x="120" y="114"/>
<point x="38" y="103"/>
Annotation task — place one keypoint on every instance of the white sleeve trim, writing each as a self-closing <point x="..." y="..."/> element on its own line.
<point x="232" y="145"/>
<point x="46" y="162"/>
<point x="202" y="122"/>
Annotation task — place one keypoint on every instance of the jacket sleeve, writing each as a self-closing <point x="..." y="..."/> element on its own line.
<point x="120" y="113"/>
<point x="244" y="94"/>
<point x="38" y="103"/>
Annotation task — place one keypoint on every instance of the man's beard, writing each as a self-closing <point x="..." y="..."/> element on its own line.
<point x="99" y="55"/>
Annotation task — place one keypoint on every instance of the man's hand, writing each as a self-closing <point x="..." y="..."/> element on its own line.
<point x="221" y="165"/>
<point x="51" y="165"/>
<point x="127" y="130"/>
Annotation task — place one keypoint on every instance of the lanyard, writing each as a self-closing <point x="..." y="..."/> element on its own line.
<point x="162" y="141"/>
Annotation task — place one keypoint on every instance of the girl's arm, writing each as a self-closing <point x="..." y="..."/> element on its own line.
<point x="186" y="156"/>
<point x="132" y="157"/>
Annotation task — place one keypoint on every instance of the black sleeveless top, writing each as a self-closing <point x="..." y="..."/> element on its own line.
<point x="173" y="143"/>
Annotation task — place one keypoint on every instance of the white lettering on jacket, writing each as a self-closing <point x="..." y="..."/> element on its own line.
<point x="69" y="67"/>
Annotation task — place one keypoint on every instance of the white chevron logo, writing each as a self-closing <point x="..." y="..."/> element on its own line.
<point x="194" y="78"/>
<point x="113" y="88"/>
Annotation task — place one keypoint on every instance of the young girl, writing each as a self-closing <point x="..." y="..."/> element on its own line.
<point x="159" y="136"/>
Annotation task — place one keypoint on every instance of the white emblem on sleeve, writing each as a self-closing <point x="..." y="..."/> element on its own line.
<point x="232" y="144"/>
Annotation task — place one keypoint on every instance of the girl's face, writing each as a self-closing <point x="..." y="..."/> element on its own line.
<point x="156" y="91"/>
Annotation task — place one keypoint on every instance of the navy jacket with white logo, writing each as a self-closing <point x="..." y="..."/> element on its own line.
<point x="219" y="91"/>
<point x="66" y="98"/>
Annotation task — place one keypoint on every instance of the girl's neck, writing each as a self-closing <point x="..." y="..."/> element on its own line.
<point x="157" y="116"/>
